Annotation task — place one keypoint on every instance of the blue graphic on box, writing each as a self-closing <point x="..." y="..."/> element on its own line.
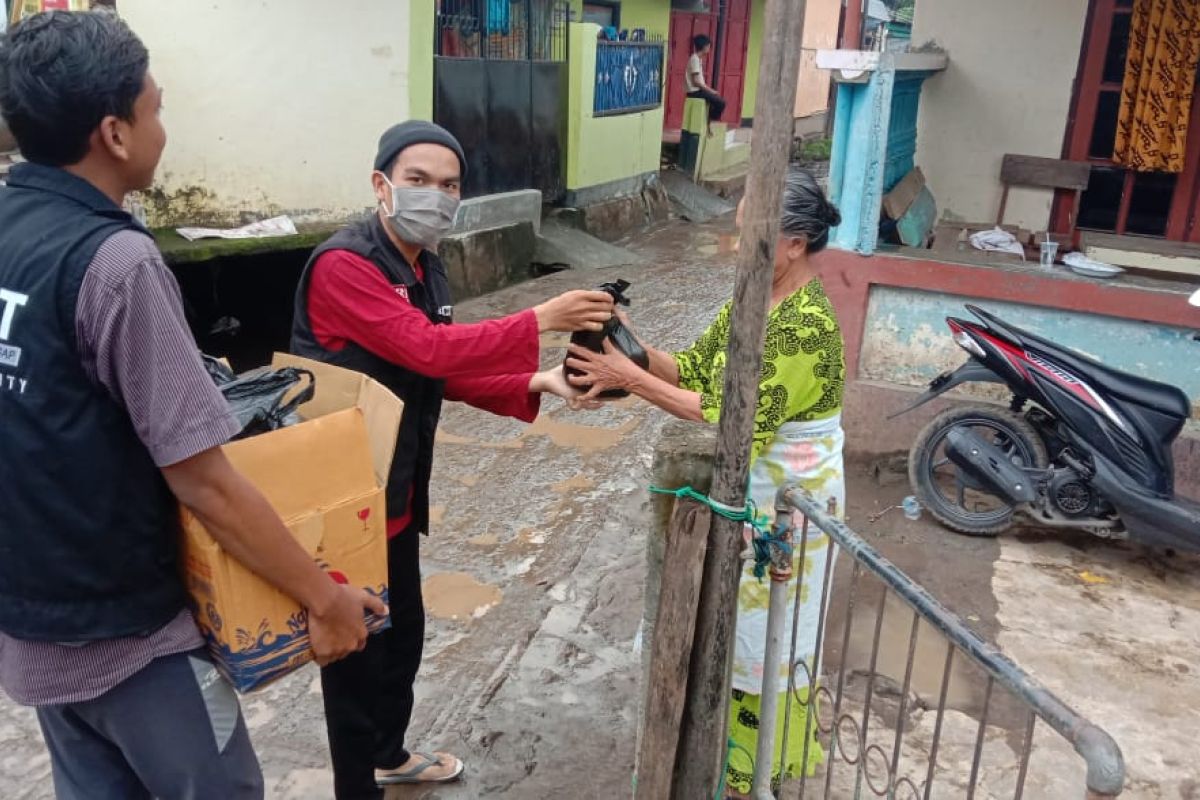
<point x="263" y="656"/>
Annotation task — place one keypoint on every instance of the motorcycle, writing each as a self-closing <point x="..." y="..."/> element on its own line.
<point x="1081" y="445"/>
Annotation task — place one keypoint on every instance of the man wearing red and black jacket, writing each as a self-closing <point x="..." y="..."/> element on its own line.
<point x="375" y="298"/>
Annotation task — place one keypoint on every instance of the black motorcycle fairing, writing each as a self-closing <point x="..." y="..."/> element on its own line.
<point x="970" y="372"/>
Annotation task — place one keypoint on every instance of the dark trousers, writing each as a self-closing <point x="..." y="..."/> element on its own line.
<point x="369" y="695"/>
<point x="716" y="103"/>
<point x="172" y="730"/>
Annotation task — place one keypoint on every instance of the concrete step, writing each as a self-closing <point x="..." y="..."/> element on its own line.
<point x="562" y="245"/>
<point x="729" y="183"/>
<point x="694" y="203"/>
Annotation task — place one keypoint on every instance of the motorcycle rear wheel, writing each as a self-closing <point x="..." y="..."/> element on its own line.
<point x="931" y="472"/>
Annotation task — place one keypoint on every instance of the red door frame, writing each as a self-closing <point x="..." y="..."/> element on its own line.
<point x="734" y="47"/>
<point x="684" y="25"/>
<point x="728" y="76"/>
<point x="1089" y="84"/>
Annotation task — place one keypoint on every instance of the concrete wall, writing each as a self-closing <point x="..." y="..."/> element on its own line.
<point x="892" y="309"/>
<point x="275" y="106"/>
<point x="906" y="340"/>
<point x="821" y="19"/>
<point x="1007" y="90"/>
<point x="653" y="15"/>
<point x="602" y="150"/>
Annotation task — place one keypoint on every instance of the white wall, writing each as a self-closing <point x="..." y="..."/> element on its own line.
<point x="1007" y="90"/>
<point x="273" y="105"/>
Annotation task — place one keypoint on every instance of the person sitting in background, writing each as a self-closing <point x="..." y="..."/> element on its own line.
<point x="697" y="86"/>
<point x="797" y="440"/>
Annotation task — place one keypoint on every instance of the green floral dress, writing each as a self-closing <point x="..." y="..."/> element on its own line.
<point x="797" y="440"/>
<point x="803" y="367"/>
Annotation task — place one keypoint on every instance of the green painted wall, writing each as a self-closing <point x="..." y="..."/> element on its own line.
<point x="758" y="11"/>
<point x="604" y="149"/>
<point x="653" y="15"/>
<point x="422" y="20"/>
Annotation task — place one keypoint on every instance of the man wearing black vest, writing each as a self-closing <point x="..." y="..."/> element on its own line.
<point x="375" y="298"/>
<point x="109" y="422"/>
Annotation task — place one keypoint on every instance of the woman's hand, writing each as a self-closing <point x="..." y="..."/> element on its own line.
<point x="554" y="381"/>
<point x="611" y="369"/>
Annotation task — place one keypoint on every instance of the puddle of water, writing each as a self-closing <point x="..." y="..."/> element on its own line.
<point x="586" y="438"/>
<point x="457" y="595"/>
<point x="726" y="245"/>
<point x="579" y="483"/>
<point x="445" y="437"/>
<point x="966" y="687"/>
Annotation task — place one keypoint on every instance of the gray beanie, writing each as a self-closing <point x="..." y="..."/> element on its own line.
<point x="415" y="131"/>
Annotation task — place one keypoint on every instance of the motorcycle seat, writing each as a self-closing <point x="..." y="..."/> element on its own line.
<point x="1161" y="397"/>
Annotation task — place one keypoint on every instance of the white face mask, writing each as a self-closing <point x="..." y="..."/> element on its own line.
<point x="420" y="216"/>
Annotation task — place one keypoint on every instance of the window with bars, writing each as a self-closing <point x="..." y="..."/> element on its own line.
<point x="1120" y="200"/>
<point x="502" y="30"/>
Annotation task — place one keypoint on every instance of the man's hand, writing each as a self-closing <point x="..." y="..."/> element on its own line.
<point x="340" y="629"/>
<point x="554" y="381"/>
<point x="578" y="310"/>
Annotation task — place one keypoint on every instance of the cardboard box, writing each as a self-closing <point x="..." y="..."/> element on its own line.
<point x="326" y="478"/>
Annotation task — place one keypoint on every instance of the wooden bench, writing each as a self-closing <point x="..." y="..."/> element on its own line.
<point x="1044" y="173"/>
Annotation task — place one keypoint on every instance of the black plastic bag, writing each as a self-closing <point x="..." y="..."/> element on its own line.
<point x="616" y="332"/>
<point x="258" y="397"/>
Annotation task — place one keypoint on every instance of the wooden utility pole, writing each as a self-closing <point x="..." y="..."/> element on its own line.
<point x="702" y="744"/>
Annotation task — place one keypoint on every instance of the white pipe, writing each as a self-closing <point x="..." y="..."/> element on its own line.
<point x="768" y="710"/>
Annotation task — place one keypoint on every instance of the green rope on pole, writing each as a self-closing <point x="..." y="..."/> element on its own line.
<point x="730" y="747"/>
<point x="764" y="539"/>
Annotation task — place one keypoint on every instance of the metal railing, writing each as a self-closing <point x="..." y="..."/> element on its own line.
<point x="502" y="30"/>
<point x="879" y="765"/>
<point x="629" y="77"/>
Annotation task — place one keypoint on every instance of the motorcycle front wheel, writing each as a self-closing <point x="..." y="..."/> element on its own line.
<point x="953" y="497"/>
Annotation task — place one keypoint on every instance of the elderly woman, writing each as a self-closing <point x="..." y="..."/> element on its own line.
<point x="797" y="440"/>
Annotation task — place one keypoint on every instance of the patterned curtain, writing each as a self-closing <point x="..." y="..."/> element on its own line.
<point x="1160" y="78"/>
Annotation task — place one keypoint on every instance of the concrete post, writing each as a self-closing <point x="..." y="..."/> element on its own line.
<point x="683" y="457"/>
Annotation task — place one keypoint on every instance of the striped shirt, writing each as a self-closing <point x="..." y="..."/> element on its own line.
<point x="134" y="341"/>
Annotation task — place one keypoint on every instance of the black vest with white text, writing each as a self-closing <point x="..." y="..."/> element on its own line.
<point x="88" y="527"/>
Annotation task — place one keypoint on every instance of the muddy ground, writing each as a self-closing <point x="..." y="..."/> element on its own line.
<point x="533" y="576"/>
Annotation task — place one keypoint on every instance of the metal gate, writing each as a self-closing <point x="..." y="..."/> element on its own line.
<point x="500" y="86"/>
